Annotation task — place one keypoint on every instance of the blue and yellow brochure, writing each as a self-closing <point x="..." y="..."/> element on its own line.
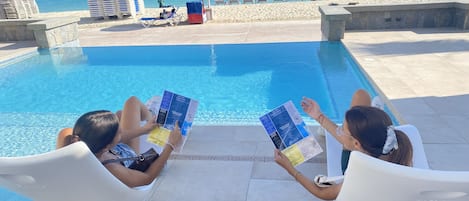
<point x="288" y="132"/>
<point x="173" y="107"/>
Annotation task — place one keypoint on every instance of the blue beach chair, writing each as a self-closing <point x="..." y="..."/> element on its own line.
<point x="166" y="17"/>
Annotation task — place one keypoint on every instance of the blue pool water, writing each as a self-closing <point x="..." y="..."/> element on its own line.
<point x="234" y="83"/>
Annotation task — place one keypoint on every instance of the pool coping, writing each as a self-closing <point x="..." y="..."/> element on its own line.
<point x="11" y="52"/>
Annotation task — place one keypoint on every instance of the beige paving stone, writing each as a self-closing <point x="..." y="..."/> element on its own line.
<point x="431" y="63"/>
<point x="459" y="124"/>
<point x="271" y="171"/>
<point x="199" y="180"/>
<point x="260" y="190"/>
<point x="452" y="157"/>
<point x="9" y="50"/>
<point x="435" y="129"/>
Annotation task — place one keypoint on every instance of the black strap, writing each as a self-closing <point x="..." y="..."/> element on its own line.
<point x="135" y="158"/>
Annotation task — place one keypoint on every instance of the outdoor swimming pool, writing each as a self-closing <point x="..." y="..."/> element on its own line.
<point x="234" y="83"/>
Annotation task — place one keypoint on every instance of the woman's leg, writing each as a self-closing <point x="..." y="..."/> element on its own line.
<point x="133" y="113"/>
<point x="63" y="138"/>
<point x="360" y="97"/>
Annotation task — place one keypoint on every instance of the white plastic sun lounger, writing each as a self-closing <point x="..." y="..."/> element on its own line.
<point x="220" y="2"/>
<point x="173" y="19"/>
<point x="334" y="151"/>
<point x="369" y="178"/>
<point x="72" y="173"/>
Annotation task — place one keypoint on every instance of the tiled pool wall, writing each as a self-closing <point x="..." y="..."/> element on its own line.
<point x="335" y="20"/>
<point x="417" y="15"/>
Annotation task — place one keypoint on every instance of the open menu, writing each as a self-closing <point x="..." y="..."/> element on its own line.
<point x="172" y="107"/>
<point x="288" y="132"/>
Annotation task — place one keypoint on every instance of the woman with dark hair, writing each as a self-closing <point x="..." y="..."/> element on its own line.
<point x="367" y="126"/>
<point x="366" y="129"/>
<point x="111" y="137"/>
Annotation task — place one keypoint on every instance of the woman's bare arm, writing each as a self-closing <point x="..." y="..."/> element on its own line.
<point x="312" y="108"/>
<point x="326" y="193"/>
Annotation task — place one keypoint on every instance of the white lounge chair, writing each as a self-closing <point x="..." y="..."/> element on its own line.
<point x="368" y="178"/>
<point x="220" y="2"/>
<point x="334" y="151"/>
<point x="172" y="19"/>
<point x="72" y="173"/>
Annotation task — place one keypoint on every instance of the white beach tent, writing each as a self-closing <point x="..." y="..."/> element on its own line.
<point x="72" y="173"/>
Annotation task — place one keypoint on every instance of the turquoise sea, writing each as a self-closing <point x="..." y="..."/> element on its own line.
<point x="73" y="5"/>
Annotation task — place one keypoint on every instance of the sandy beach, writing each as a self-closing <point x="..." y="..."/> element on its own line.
<point x="301" y="10"/>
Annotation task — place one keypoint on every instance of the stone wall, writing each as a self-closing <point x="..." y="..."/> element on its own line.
<point x="55" y="32"/>
<point x="397" y="16"/>
<point x="48" y="33"/>
<point x="336" y="19"/>
<point x="16" y="30"/>
<point x="333" y="21"/>
<point x="462" y="17"/>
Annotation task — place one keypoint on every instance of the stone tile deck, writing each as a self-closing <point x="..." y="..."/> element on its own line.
<point x="9" y="50"/>
<point x="423" y="73"/>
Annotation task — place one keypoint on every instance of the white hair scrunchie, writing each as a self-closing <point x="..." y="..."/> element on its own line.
<point x="391" y="141"/>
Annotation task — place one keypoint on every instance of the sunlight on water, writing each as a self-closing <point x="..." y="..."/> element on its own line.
<point x="234" y="84"/>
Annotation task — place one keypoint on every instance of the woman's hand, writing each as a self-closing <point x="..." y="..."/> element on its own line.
<point x="282" y="160"/>
<point x="175" y="137"/>
<point x="311" y="107"/>
<point x="151" y="124"/>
